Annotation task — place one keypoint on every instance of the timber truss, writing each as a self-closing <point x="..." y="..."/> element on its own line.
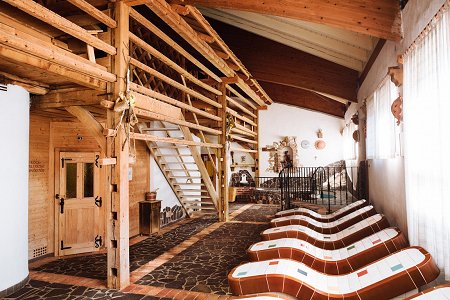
<point x="193" y="98"/>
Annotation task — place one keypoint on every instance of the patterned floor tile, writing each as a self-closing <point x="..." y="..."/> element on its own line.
<point x="204" y="266"/>
<point x="94" y="266"/>
<point x="257" y="213"/>
<point x="45" y="290"/>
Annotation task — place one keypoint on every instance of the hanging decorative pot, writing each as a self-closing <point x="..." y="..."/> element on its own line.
<point x="355" y="119"/>
<point x="320" y="144"/>
<point x="355" y="135"/>
<point x="397" y="109"/>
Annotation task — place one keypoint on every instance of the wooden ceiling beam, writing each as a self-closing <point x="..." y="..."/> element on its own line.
<point x="304" y="99"/>
<point x="55" y="20"/>
<point x="376" y="18"/>
<point x="278" y="63"/>
<point x="20" y="57"/>
<point x="80" y="97"/>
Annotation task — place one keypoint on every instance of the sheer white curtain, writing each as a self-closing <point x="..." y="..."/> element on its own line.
<point x="427" y="140"/>
<point x="349" y="143"/>
<point x="381" y="127"/>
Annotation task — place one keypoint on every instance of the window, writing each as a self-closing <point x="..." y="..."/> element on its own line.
<point x="382" y="131"/>
<point x="350" y="146"/>
<point x="426" y="118"/>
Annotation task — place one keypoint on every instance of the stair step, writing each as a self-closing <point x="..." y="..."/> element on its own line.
<point x="201" y="208"/>
<point x="160" y="129"/>
<point x="178" y="162"/>
<point x="170" y="147"/>
<point x="181" y="170"/>
<point x="196" y="196"/>
<point x="174" y="155"/>
<point x="186" y="177"/>
<point x="203" y="214"/>
<point x="197" y="184"/>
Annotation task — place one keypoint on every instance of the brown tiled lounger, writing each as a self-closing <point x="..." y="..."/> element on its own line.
<point x="337" y="240"/>
<point x="333" y="262"/>
<point x="327" y="227"/>
<point x="386" y="278"/>
<point x="434" y="293"/>
<point x="324" y="218"/>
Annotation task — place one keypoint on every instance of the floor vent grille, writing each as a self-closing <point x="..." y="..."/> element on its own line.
<point x="3" y="88"/>
<point x="39" y="251"/>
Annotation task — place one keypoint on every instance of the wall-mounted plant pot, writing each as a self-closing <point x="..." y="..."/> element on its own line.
<point x="320" y="144"/>
<point x="355" y="135"/>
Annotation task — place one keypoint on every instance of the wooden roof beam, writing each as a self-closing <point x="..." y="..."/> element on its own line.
<point x="294" y="68"/>
<point x="168" y="15"/>
<point x="38" y="11"/>
<point x="304" y="99"/>
<point x="94" y="12"/>
<point x="376" y="18"/>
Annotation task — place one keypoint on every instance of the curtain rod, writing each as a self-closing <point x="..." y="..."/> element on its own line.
<point x="436" y="18"/>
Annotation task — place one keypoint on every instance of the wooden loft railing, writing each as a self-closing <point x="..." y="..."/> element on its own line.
<point x="80" y="58"/>
<point x="34" y="36"/>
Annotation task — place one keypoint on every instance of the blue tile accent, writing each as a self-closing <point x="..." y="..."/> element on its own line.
<point x="241" y="274"/>
<point x="302" y="272"/>
<point x="271" y="245"/>
<point x="397" y="267"/>
<point x="351" y="247"/>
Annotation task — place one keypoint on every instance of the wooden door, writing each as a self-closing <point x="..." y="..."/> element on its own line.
<point x="78" y="203"/>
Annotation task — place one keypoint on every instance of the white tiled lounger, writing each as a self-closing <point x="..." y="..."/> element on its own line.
<point x="266" y="296"/>
<point x="324" y="218"/>
<point x="440" y="292"/>
<point x="333" y="262"/>
<point x="326" y="227"/>
<point x="386" y="278"/>
<point x="337" y="240"/>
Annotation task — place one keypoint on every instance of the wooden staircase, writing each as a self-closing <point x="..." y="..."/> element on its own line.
<point x="182" y="167"/>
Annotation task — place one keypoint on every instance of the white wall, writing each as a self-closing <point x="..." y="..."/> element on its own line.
<point x="14" y="122"/>
<point x="158" y="181"/>
<point x="281" y="120"/>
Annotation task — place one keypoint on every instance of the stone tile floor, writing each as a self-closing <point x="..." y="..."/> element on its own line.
<point x="44" y="290"/>
<point x="188" y="261"/>
<point x="204" y="266"/>
<point x="257" y="213"/>
<point x="94" y="266"/>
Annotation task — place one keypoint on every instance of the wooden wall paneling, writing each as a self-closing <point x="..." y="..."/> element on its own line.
<point x="39" y="166"/>
<point x="139" y="184"/>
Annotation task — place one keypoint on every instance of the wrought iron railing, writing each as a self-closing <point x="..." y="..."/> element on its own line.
<point x="337" y="185"/>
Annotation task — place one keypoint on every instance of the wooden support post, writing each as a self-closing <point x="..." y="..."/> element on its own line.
<point x="222" y="156"/>
<point x="256" y="157"/>
<point x="118" y="274"/>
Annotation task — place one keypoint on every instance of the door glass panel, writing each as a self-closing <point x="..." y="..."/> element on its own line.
<point x="71" y="180"/>
<point x="88" y="180"/>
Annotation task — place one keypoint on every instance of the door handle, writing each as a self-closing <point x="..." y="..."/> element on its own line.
<point x="61" y="204"/>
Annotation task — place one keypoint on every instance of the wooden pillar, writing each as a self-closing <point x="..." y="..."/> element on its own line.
<point x="117" y="204"/>
<point x="256" y="157"/>
<point x="222" y="157"/>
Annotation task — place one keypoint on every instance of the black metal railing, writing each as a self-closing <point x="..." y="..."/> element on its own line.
<point x="269" y="183"/>
<point x="337" y="185"/>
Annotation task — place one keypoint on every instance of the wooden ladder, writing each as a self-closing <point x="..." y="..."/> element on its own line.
<point x="183" y="168"/>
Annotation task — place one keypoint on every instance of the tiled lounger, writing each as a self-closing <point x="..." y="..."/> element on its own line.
<point x="327" y="227"/>
<point x="337" y="240"/>
<point x="266" y="296"/>
<point x="333" y="262"/>
<point x="440" y="292"/>
<point x="323" y="218"/>
<point x="386" y="278"/>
